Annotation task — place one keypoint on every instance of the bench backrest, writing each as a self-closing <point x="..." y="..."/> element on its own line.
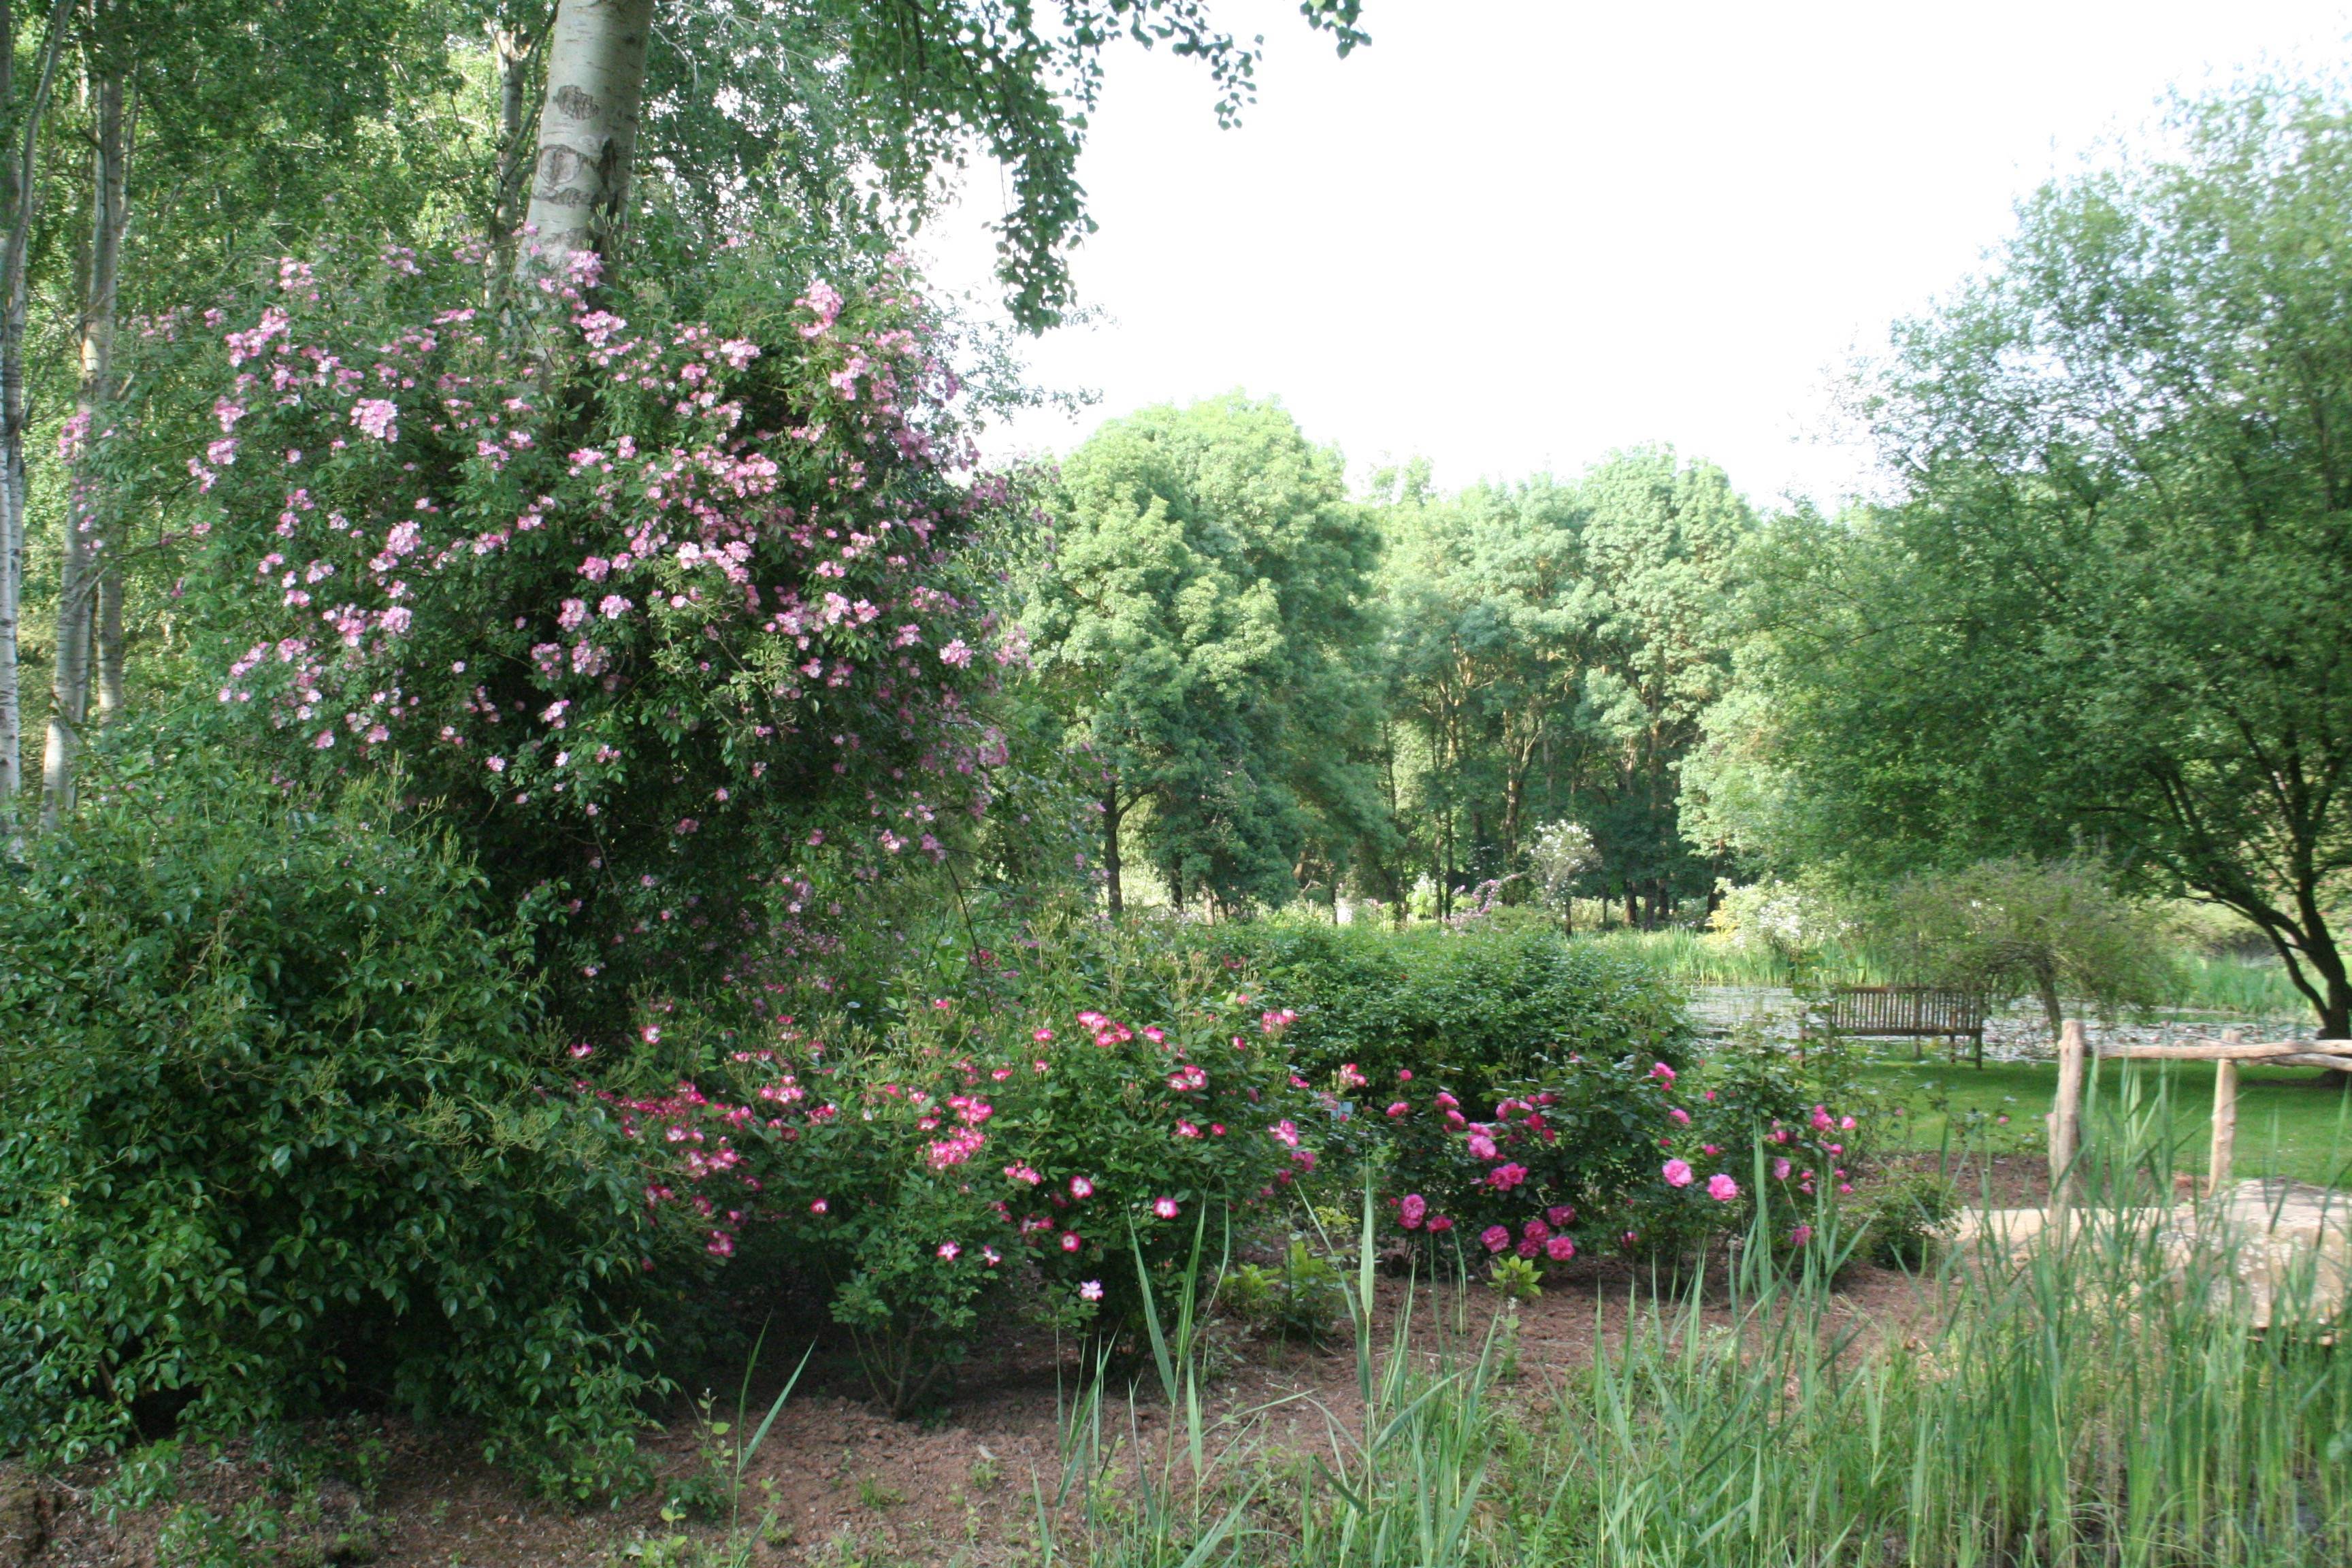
<point x="1904" y="1010"/>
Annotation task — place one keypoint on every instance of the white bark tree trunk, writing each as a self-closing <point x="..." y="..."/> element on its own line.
<point x="19" y="206"/>
<point x="587" y="130"/>
<point x="85" y="540"/>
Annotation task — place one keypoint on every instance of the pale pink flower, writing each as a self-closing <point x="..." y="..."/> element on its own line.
<point x="949" y="1250"/>
<point x="1164" y="1208"/>
<point x="1091" y="1290"/>
<point x="1081" y="1188"/>
<point x="377" y="418"/>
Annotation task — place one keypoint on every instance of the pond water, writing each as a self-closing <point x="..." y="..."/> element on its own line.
<point x="2018" y="1032"/>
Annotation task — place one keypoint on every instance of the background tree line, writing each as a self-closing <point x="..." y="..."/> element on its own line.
<point x="1288" y="691"/>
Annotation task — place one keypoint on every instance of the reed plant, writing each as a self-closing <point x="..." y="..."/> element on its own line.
<point x="2098" y="1397"/>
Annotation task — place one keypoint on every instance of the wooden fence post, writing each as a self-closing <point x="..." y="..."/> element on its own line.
<point x="2225" y="1120"/>
<point x="2066" y="1125"/>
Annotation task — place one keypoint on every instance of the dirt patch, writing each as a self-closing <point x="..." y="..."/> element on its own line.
<point x="845" y="1483"/>
<point x="1994" y="1181"/>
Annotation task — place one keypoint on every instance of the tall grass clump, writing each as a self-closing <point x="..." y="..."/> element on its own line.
<point x="2098" y="1398"/>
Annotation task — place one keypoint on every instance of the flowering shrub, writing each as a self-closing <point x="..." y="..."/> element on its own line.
<point x="1044" y="1129"/>
<point x="1623" y="1156"/>
<point x="659" y="606"/>
<point x="281" y="1135"/>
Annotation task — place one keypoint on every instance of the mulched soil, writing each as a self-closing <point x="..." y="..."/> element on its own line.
<point x="848" y="1484"/>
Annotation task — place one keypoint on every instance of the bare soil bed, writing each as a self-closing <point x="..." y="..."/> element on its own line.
<point x="850" y="1484"/>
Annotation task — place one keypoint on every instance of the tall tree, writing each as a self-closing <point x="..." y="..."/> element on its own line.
<point x="2113" y="609"/>
<point x="1202" y="624"/>
<point x="20" y="193"/>
<point x="1551" y="649"/>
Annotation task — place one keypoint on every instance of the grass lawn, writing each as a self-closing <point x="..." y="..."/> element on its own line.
<point x="2287" y="1125"/>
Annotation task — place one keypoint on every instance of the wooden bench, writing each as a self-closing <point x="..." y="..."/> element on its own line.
<point x="1918" y="1013"/>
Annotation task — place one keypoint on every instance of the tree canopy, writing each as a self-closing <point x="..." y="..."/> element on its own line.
<point x="1203" y="625"/>
<point x="2109" y="609"/>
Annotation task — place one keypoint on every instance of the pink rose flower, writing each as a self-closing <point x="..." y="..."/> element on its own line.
<point x="1677" y="1173"/>
<point x="1722" y="1188"/>
<point x="1494" y="1238"/>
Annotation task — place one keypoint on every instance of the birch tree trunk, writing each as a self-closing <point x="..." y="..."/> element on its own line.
<point x="84" y="545"/>
<point x="515" y="56"/>
<point x="19" y="204"/>
<point x="587" y="132"/>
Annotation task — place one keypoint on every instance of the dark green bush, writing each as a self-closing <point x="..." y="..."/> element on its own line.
<point x="283" y="1133"/>
<point x="1474" y="1009"/>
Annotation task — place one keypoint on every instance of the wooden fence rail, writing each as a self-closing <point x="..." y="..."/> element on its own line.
<point x="2065" y="1120"/>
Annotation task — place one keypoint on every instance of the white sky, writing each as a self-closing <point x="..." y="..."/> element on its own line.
<point x="1511" y="234"/>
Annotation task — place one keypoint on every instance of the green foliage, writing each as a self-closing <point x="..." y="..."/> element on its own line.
<point x="1201" y="622"/>
<point x="283" y="1133"/>
<point x="808" y="105"/>
<point x="2109" y="611"/>
<point x="2051" y="928"/>
<point x="1551" y="648"/>
<point x="1471" y="1009"/>
<point x="1904" y="1217"/>
<point x="1301" y="1297"/>
<point x="1515" y="1280"/>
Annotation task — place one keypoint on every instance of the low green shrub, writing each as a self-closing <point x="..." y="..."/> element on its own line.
<point x="1303" y="1297"/>
<point x="1474" y="1008"/>
<point x="283" y="1135"/>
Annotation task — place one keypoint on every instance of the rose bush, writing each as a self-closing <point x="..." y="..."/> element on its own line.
<point x="1625" y="1156"/>
<point x="1478" y="1009"/>
<point x="655" y="597"/>
<point x="1103" y="1096"/>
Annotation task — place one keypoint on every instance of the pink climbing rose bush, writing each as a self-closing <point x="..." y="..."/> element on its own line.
<point x="661" y="602"/>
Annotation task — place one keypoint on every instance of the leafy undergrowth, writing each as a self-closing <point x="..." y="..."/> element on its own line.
<point x="2093" y="1403"/>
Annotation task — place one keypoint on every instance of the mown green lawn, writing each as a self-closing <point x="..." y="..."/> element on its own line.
<point x="2288" y="1125"/>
